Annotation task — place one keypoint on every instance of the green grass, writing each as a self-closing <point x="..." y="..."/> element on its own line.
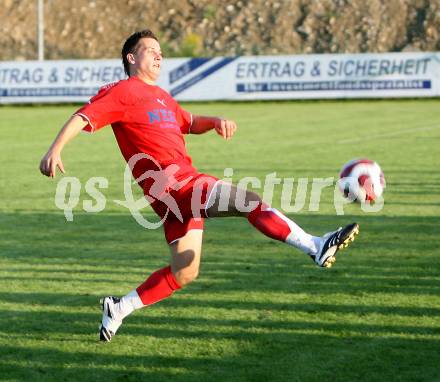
<point x="259" y="311"/>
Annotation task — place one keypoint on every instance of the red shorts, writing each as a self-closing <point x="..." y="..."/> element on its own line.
<point x="183" y="209"/>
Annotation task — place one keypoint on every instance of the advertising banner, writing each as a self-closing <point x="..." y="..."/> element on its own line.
<point x="234" y="78"/>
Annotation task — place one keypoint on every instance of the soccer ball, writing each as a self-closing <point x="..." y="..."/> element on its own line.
<point x="361" y="180"/>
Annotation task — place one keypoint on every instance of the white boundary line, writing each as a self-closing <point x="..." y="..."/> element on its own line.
<point x="391" y="134"/>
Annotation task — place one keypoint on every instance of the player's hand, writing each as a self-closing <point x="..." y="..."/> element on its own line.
<point x="226" y="128"/>
<point x="50" y="162"/>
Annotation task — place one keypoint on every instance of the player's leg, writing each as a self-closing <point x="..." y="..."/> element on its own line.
<point x="228" y="200"/>
<point x="185" y="257"/>
<point x="184" y="268"/>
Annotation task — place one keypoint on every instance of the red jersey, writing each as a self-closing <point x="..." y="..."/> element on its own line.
<point x="145" y="119"/>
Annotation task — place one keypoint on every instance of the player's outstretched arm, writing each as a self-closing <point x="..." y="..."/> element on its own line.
<point x="52" y="159"/>
<point x="223" y="127"/>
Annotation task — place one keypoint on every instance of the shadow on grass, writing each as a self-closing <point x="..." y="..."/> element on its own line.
<point x="65" y="323"/>
<point x="263" y="344"/>
<point x="80" y="253"/>
<point x="274" y="356"/>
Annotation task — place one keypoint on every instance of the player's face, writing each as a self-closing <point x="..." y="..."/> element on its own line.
<point x="147" y="59"/>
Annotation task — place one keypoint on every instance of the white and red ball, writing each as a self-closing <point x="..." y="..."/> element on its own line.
<point x="362" y="180"/>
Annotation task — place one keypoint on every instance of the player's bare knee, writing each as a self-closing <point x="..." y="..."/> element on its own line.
<point x="185" y="266"/>
<point x="186" y="276"/>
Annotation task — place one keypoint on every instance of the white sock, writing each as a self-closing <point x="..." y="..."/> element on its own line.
<point x="127" y="305"/>
<point x="303" y="241"/>
<point x="298" y="238"/>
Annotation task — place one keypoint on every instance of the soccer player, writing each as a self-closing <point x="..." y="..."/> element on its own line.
<point x="149" y="126"/>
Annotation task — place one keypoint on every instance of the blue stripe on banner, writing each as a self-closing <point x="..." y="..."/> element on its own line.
<point x="186" y="68"/>
<point x="202" y="75"/>
<point x="49" y="92"/>
<point x="354" y="85"/>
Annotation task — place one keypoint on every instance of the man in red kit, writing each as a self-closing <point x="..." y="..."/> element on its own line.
<point x="149" y="126"/>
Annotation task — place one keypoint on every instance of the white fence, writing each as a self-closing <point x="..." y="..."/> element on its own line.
<point x="234" y="78"/>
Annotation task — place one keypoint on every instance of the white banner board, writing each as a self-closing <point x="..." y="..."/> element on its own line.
<point x="234" y="78"/>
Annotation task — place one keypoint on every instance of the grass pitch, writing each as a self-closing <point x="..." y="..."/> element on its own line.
<point x="260" y="311"/>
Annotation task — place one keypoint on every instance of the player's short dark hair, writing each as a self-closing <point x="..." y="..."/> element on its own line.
<point x="131" y="43"/>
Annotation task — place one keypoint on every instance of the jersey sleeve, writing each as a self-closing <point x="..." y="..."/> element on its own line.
<point x="184" y="119"/>
<point x="103" y="109"/>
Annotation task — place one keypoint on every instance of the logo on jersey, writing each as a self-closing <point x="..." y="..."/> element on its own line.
<point x="165" y="118"/>
<point x="161" y="101"/>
